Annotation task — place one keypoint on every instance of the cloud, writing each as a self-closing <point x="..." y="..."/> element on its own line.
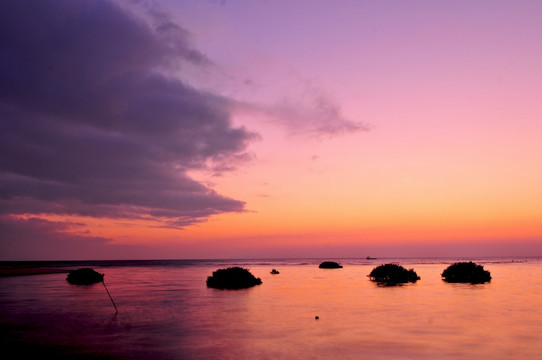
<point x="315" y="115"/>
<point x="93" y="123"/>
<point x="303" y="108"/>
<point x="39" y="239"/>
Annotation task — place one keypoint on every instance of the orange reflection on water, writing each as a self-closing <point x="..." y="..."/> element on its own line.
<point x="358" y="319"/>
<point x="167" y="312"/>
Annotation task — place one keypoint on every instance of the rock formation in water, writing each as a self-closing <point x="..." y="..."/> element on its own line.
<point x="466" y="272"/>
<point x="232" y="278"/>
<point x="330" y="265"/>
<point x="85" y="276"/>
<point x="275" y="272"/>
<point x="393" y="274"/>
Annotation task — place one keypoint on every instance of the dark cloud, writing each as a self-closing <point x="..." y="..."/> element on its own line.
<point x="92" y="123"/>
<point x="40" y="239"/>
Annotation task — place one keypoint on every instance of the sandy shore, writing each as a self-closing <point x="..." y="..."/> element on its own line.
<point x="20" y="271"/>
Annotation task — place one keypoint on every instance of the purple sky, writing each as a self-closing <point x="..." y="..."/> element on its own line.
<point x="225" y="128"/>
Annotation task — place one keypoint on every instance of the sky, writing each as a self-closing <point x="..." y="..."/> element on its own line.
<point x="135" y="129"/>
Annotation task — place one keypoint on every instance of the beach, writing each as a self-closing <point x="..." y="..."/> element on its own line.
<point x="28" y="270"/>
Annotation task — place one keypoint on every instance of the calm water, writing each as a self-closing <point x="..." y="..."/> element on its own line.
<point x="167" y="312"/>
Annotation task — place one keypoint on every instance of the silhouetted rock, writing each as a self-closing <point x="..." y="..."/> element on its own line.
<point x="392" y="274"/>
<point x="274" y="272"/>
<point x="466" y="272"/>
<point x="330" y="265"/>
<point x="85" y="276"/>
<point x="232" y="278"/>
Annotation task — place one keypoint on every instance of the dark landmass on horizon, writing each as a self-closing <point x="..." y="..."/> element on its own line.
<point x="10" y="268"/>
<point x="24" y="270"/>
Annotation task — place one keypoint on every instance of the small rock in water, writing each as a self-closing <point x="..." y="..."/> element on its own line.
<point x="85" y="276"/>
<point x="232" y="278"/>
<point x="393" y="274"/>
<point x="317" y="317"/>
<point x="466" y="272"/>
<point x="330" y="265"/>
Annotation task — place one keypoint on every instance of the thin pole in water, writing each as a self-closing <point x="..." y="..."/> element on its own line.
<point x="117" y="311"/>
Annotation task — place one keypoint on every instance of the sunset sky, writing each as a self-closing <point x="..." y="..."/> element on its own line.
<point x="251" y="128"/>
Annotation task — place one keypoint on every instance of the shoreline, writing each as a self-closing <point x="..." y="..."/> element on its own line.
<point x="24" y="271"/>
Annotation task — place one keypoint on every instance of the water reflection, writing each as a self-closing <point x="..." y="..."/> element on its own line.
<point x="169" y="313"/>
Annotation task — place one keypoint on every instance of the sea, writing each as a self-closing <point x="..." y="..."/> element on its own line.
<point x="166" y="311"/>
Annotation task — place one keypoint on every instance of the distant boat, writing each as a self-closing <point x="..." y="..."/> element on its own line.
<point x="370" y="258"/>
